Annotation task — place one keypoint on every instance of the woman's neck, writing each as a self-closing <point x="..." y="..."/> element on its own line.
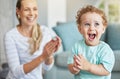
<point x="25" y="30"/>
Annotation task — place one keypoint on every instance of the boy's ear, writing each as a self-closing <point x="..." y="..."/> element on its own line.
<point x="79" y="28"/>
<point x="104" y="30"/>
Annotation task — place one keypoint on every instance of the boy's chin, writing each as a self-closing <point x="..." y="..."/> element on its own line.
<point x="92" y="43"/>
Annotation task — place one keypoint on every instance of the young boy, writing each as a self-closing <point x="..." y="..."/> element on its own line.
<point x="91" y="58"/>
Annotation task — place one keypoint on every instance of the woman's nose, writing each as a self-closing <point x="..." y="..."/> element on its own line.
<point x="31" y="12"/>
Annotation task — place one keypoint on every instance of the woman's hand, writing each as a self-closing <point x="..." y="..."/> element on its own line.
<point x="51" y="47"/>
<point x="59" y="42"/>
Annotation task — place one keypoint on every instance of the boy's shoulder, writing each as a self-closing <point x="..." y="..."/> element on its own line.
<point x="101" y="44"/>
<point x="79" y="43"/>
<point x="104" y="44"/>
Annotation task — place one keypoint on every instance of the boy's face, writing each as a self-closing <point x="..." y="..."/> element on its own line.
<point x="91" y="28"/>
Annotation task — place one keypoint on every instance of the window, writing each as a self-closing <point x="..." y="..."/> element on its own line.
<point x="112" y="10"/>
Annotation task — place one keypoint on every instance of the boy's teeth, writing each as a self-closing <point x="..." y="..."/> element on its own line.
<point x="92" y="36"/>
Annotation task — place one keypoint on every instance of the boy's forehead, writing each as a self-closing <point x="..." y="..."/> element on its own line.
<point x="91" y="16"/>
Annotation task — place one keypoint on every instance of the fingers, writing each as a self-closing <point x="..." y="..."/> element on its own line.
<point x="80" y="55"/>
<point x="77" y="62"/>
<point x="51" y="47"/>
<point x="77" y="59"/>
<point x="82" y="62"/>
<point x="76" y="69"/>
<point x="58" y="40"/>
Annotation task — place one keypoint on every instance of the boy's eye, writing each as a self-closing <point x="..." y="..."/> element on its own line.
<point x="87" y="24"/>
<point x="97" y="24"/>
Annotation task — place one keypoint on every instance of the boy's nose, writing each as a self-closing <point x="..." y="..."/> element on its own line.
<point x="91" y="27"/>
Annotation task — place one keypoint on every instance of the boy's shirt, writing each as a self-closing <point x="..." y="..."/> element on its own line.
<point x="99" y="54"/>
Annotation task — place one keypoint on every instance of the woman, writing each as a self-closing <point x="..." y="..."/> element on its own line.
<point x="29" y="47"/>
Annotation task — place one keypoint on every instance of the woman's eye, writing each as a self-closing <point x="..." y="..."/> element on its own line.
<point x="26" y="9"/>
<point x="35" y="9"/>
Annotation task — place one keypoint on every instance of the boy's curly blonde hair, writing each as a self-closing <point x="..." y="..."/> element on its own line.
<point x="90" y="8"/>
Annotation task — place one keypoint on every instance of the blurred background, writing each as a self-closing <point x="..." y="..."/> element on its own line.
<point x="52" y="12"/>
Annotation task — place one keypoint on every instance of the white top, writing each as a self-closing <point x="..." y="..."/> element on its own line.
<point x="17" y="52"/>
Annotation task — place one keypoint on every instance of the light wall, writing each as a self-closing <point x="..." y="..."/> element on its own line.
<point x="50" y="12"/>
<point x="56" y="12"/>
<point x="6" y="23"/>
<point x="74" y="5"/>
<point x="43" y="10"/>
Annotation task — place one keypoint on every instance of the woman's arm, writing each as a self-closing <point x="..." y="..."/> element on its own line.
<point x="48" y="51"/>
<point x="13" y="56"/>
<point x="50" y="60"/>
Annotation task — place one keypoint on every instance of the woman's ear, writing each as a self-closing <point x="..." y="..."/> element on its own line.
<point x="17" y="11"/>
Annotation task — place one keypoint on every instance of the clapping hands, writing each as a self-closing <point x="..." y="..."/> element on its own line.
<point x="80" y="63"/>
<point x="51" y="47"/>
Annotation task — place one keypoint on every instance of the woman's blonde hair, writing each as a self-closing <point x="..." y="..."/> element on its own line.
<point x="36" y="37"/>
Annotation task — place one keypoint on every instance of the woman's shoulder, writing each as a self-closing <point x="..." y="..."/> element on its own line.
<point x="11" y="32"/>
<point x="44" y="28"/>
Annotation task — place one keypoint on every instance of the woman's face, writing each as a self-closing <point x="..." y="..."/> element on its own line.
<point x="91" y="28"/>
<point x="28" y="12"/>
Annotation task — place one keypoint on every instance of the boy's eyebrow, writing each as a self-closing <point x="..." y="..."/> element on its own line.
<point x="98" y="21"/>
<point x="85" y="21"/>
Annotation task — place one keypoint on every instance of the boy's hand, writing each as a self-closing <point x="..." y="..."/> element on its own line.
<point x="82" y="63"/>
<point x="76" y="66"/>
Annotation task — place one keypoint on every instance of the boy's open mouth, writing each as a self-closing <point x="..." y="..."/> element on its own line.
<point x="92" y="36"/>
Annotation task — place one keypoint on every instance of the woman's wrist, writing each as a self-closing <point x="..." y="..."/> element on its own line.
<point x="49" y="60"/>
